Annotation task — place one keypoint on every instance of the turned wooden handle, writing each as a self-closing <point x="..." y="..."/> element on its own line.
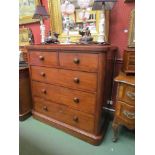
<point x="41" y="57"/>
<point x="75" y="118"/>
<point x="76" y="80"/>
<point x="44" y="91"/>
<point x="76" y="100"/>
<point x="42" y="74"/>
<point x="45" y="108"/>
<point x="76" y="60"/>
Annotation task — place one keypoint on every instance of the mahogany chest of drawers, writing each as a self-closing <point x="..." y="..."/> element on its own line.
<point x="70" y="85"/>
<point x="125" y="105"/>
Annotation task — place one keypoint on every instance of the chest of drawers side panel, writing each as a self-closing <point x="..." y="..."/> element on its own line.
<point x="105" y="84"/>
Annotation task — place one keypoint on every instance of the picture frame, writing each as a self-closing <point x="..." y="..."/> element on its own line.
<point x="25" y="37"/>
<point x="57" y="26"/>
<point x="131" y="36"/>
<point x="26" y="11"/>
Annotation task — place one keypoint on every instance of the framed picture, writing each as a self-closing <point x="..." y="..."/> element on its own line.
<point x="25" y="37"/>
<point x="26" y="11"/>
<point x="131" y="37"/>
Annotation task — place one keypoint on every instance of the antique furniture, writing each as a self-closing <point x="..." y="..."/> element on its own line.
<point x="25" y="101"/>
<point x="70" y="85"/>
<point x="129" y="61"/>
<point x="125" y="105"/>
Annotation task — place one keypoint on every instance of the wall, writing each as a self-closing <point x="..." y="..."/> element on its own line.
<point x="119" y="21"/>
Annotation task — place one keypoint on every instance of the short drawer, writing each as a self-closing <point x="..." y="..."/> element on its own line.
<point x="67" y="78"/>
<point x="125" y="112"/>
<point x="78" y="100"/>
<point x="79" y="61"/>
<point x="64" y="114"/>
<point x="126" y="93"/>
<point x="43" y="58"/>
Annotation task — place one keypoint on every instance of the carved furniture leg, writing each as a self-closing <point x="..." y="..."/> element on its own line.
<point x="115" y="127"/>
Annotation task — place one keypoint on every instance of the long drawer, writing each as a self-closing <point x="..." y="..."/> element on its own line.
<point x="68" y="78"/>
<point x="48" y="59"/>
<point x="76" y="99"/>
<point x="125" y="112"/>
<point x="126" y="93"/>
<point x="64" y="114"/>
<point x="79" y="61"/>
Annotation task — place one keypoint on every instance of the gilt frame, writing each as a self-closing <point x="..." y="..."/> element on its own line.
<point x="25" y="37"/>
<point x="131" y="36"/>
<point x="56" y="22"/>
<point x="25" y="17"/>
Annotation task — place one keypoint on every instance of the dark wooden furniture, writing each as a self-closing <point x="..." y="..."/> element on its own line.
<point x="129" y="61"/>
<point x="25" y="101"/>
<point x="70" y="85"/>
<point x="125" y="105"/>
<point x="126" y="1"/>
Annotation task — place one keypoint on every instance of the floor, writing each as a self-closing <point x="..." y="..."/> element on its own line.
<point x="37" y="138"/>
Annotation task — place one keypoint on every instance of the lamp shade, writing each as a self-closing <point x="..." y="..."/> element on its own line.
<point x="103" y="4"/>
<point x="40" y="12"/>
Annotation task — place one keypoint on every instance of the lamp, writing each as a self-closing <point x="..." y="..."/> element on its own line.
<point x="41" y="13"/>
<point x="67" y="9"/>
<point x="102" y="5"/>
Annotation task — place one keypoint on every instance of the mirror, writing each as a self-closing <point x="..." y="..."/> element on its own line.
<point x="131" y="37"/>
<point x="58" y="25"/>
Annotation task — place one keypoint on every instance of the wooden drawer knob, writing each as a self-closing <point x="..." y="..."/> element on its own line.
<point x="76" y="100"/>
<point x="75" y="119"/>
<point x="76" y="60"/>
<point x="76" y="80"/>
<point x="41" y="57"/>
<point x="44" y="91"/>
<point x="42" y="74"/>
<point x="45" y="108"/>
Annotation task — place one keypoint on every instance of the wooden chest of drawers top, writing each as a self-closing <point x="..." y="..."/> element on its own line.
<point x="77" y="57"/>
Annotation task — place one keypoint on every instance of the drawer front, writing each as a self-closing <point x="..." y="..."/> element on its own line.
<point x="125" y="112"/>
<point x="64" y="114"/>
<point x="80" y="61"/>
<point x="126" y="93"/>
<point x="68" y="78"/>
<point x="129" y="62"/>
<point x="76" y="99"/>
<point x="43" y="58"/>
